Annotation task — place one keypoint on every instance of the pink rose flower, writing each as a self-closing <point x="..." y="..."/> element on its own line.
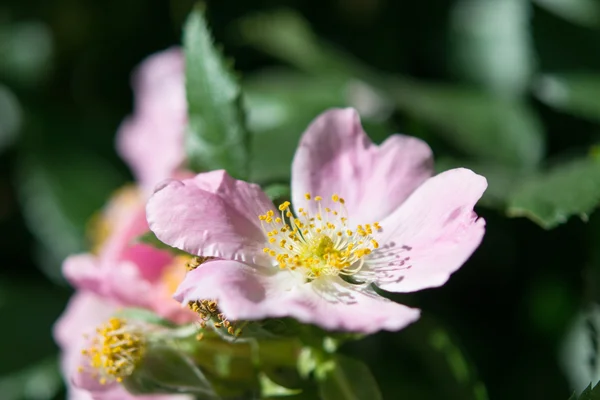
<point x="84" y="313"/>
<point x="151" y="140"/>
<point x="119" y="273"/>
<point x="362" y="214"/>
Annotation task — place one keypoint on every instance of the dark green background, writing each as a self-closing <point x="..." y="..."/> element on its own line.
<point x="67" y="64"/>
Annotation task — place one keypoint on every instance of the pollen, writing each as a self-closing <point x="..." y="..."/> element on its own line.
<point x="318" y="240"/>
<point x="208" y="311"/>
<point x="115" y="351"/>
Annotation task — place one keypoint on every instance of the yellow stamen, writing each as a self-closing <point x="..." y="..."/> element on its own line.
<point x="319" y="243"/>
<point x="116" y="350"/>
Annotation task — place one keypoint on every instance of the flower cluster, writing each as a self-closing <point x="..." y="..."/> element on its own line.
<point x="361" y="216"/>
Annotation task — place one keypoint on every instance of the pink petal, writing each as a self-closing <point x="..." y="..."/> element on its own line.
<point x="151" y="141"/>
<point x="210" y="215"/>
<point x="83" y="314"/>
<point x="83" y="272"/>
<point x="430" y="236"/>
<point x="84" y="311"/>
<point x="252" y="293"/>
<point x="335" y="156"/>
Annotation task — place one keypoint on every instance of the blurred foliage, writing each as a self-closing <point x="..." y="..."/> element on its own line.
<point x="505" y="87"/>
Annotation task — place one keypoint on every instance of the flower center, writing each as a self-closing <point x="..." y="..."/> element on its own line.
<point x="115" y="351"/>
<point x="319" y="245"/>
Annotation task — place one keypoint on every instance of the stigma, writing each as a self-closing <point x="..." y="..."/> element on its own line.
<point x="317" y="245"/>
<point x="115" y="351"/>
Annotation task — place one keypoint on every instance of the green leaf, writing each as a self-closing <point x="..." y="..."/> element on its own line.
<point x="580" y="355"/>
<point x="270" y="389"/>
<point x="144" y="315"/>
<point x="575" y="93"/>
<point x="216" y="137"/>
<point x="10" y="117"/>
<point x="582" y="12"/>
<point x="278" y="192"/>
<point x="59" y="191"/>
<point x="588" y="394"/>
<point x="286" y="35"/>
<point x="487" y="128"/>
<point x="166" y="370"/>
<point x="41" y="381"/>
<point x="150" y="239"/>
<point x="483" y="35"/>
<point x="550" y="198"/>
<point x="26" y="51"/>
<point x="343" y="378"/>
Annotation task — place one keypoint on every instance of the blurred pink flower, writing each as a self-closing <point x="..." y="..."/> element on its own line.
<point x="151" y="140"/>
<point x="118" y="273"/>
<point x="316" y="263"/>
<point x="84" y="313"/>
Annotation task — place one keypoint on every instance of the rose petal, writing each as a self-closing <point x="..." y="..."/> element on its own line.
<point x="430" y="236"/>
<point x="251" y="293"/>
<point x="210" y="215"/>
<point x="151" y="141"/>
<point x="335" y="156"/>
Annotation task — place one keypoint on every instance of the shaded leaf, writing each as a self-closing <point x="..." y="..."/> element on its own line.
<point x="150" y="239"/>
<point x="10" y="117"/>
<point x="286" y="35"/>
<point x="582" y="12"/>
<point x="144" y="315"/>
<point x="166" y="370"/>
<point x="575" y="93"/>
<point x="491" y="44"/>
<point x="26" y="51"/>
<point x="550" y="198"/>
<point x="41" y="381"/>
<point x="216" y="136"/>
<point x="580" y="355"/>
<point x="59" y="197"/>
<point x="588" y="394"/>
<point x="483" y="126"/>
<point x="343" y="378"/>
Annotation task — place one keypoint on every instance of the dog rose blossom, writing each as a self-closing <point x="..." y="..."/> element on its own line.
<point x="361" y="214"/>
<point x="120" y="271"/>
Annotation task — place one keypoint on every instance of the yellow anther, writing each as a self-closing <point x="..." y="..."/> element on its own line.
<point x="116" y="350"/>
<point x="307" y="196"/>
<point x="318" y="244"/>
